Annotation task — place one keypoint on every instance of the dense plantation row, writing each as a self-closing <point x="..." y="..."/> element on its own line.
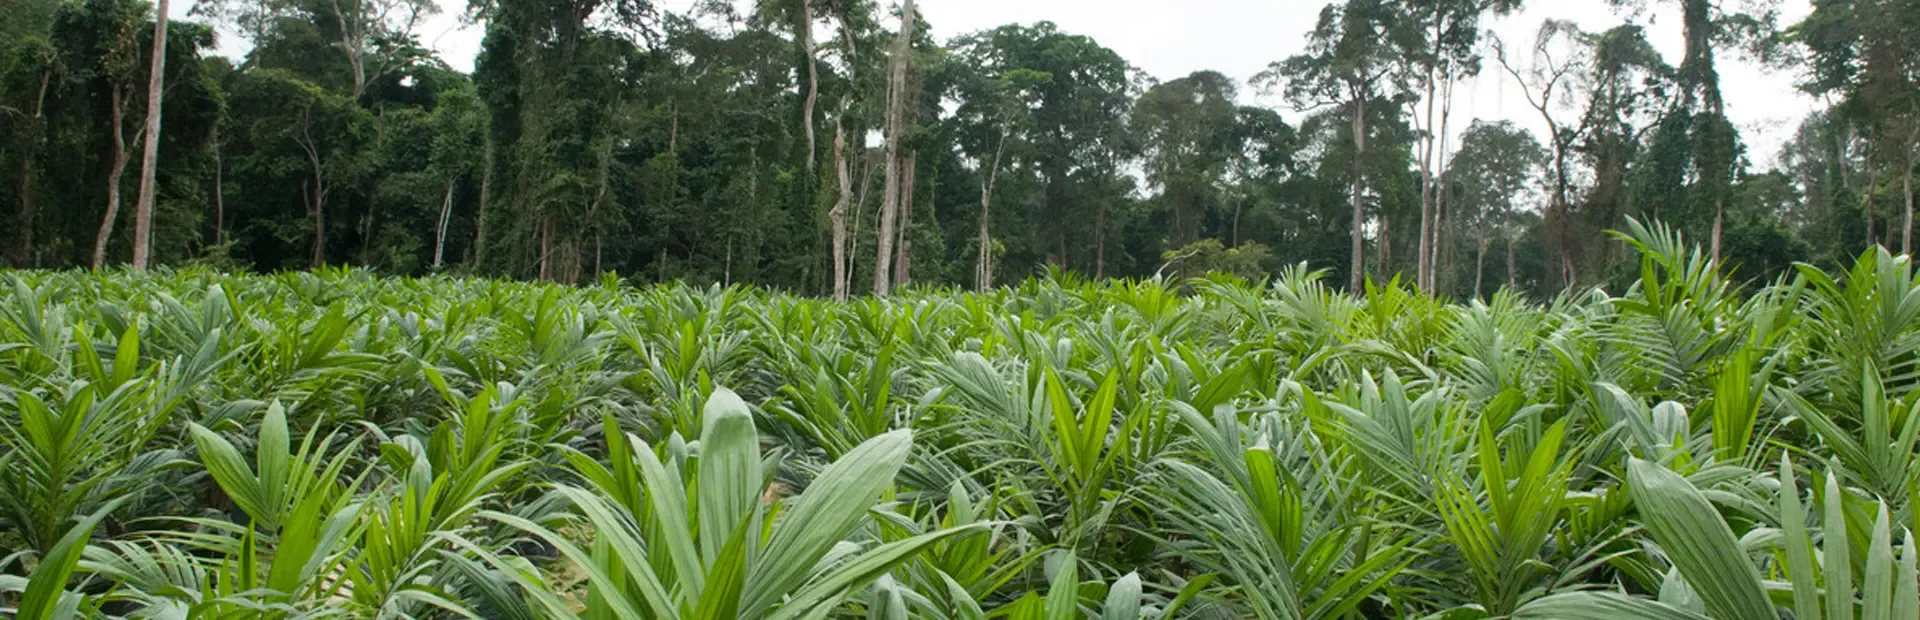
<point x="197" y="445"/>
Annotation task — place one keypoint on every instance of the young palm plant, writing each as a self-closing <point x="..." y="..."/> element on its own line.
<point x="1716" y="577"/>
<point x="696" y="536"/>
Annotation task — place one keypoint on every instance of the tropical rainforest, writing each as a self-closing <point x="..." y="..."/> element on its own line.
<point x="835" y="147"/>
<point x="658" y="312"/>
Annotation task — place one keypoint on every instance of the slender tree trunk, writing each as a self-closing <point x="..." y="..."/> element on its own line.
<point x="319" y="207"/>
<point x="983" y="264"/>
<point x="1238" y="205"/>
<point x="480" y="215"/>
<point x="370" y="220"/>
<point x="1480" y="266"/>
<point x="1060" y="242"/>
<point x="543" y="270"/>
<point x="1444" y="256"/>
<point x="1906" y="187"/>
<point x="1840" y="139"/>
<point x="1719" y="214"/>
<point x="1513" y="278"/>
<point x="600" y="200"/>
<point x="352" y="39"/>
<point x="219" y="195"/>
<point x="440" y="230"/>
<point x="156" y="78"/>
<point x="896" y="116"/>
<point x="805" y="33"/>
<point x="1358" y="265"/>
<point x="319" y="195"/>
<point x="114" y="173"/>
<point x="1100" y="242"/>
<point x="1439" y="183"/>
<point x="838" y="216"/>
<point x="1387" y="270"/>
<point x="1873" y="182"/>
<point x="1423" y="271"/>
<point x="903" y="251"/>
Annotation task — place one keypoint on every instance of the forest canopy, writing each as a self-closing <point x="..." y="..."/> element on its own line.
<point x="832" y="147"/>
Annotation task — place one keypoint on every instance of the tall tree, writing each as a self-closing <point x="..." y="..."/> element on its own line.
<point x="995" y="112"/>
<point x="156" y="76"/>
<point x="1496" y="164"/>
<point x="1076" y="141"/>
<point x="459" y="130"/>
<point x="1864" y="52"/>
<point x="1445" y="50"/>
<point x="1350" y="54"/>
<point x="376" y="36"/>
<point x="803" y="26"/>
<point x="898" y="101"/>
<point x="838" y="214"/>
<point x="556" y="82"/>
<point x="1188" y="126"/>
<point x="112" y="52"/>
<point x="1558" y="51"/>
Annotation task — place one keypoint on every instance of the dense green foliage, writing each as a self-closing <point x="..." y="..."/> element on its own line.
<point x="335" y="443"/>
<point x="772" y="142"/>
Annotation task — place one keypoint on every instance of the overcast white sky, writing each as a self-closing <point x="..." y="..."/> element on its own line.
<point x="1171" y="38"/>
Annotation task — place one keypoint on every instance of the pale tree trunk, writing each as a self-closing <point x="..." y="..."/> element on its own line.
<point x="1513" y="278"/>
<point x="1719" y="214"/>
<point x="219" y="195"/>
<point x="1906" y="187"/>
<point x="838" y="216"/>
<point x="983" y="264"/>
<point x="317" y="205"/>
<point x="370" y="220"/>
<point x="804" y="30"/>
<point x="353" y="43"/>
<point x="114" y="172"/>
<point x="150" y="156"/>
<point x="1873" y="182"/>
<point x="1480" y="266"/>
<point x="440" y="230"/>
<point x="600" y="201"/>
<point x="1439" y="184"/>
<point x="1100" y="242"/>
<point x="1358" y="265"/>
<point x="1719" y="108"/>
<point x="1386" y="248"/>
<point x="1867" y="202"/>
<point x="546" y="251"/>
<point x="319" y="208"/>
<point x="903" y="249"/>
<point x="1423" y="271"/>
<point x="896" y="113"/>
<point x="480" y="215"/>
<point x="1239" y="204"/>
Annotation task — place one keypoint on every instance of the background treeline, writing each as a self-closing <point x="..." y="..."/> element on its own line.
<point x="819" y="146"/>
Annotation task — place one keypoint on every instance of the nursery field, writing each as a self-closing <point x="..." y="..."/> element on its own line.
<point x="191" y="444"/>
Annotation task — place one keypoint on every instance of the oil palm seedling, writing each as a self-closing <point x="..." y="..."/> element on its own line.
<point x="337" y="444"/>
